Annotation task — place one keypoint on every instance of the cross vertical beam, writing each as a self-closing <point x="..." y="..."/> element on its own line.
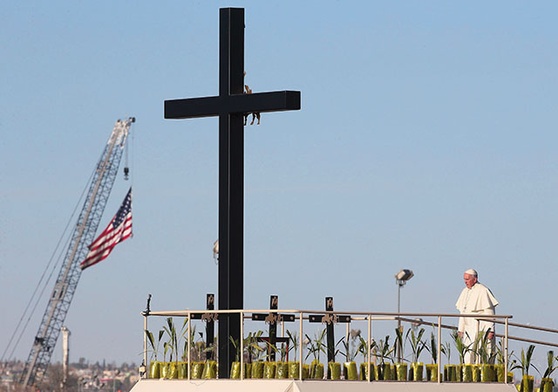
<point x="329" y="333"/>
<point x="230" y="106"/>
<point x="273" y="305"/>
<point x="231" y="185"/>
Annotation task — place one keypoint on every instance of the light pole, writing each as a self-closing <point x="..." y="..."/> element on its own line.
<point x="400" y="279"/>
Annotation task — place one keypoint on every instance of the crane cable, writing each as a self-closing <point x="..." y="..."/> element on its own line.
<point x="35" y="297"/>
<point x="126" y="167"/>
<point x="126" y="164"/>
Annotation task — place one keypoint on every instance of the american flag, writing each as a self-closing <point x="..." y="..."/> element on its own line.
<point x="119" y="229"/>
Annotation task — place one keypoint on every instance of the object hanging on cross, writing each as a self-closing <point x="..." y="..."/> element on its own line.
<point x="255" y="115"/>
<point x="230" y="106"/>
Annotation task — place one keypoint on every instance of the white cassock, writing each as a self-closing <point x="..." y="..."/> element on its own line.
<point x="477" y="300"/>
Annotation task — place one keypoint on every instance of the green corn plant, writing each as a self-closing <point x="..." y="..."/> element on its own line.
<point x="461" y="347"/>
<point x="269" y="348"/>
<point x="364" y="349"/>
<point x="525" y="361"/>
<point x="200" y="348"/>
<point x="172" y="345"/>
<point x="482" y="347"/>
<point x="384" y="350"/>
<point x="191" y="340"/>
<point x="293" y="338"/>
<point x="550" y="364"/>
<point x="352" y="345"/>
<point x="500" y="354"/>
<point x="446" y="350"/>
<point x="416" y="343"/>
<point x="283" y="350"/>
<point x="183" y="336"/>
<point x="154" y="343"/>
<point x="433" y="348"/>
<point x="251" y="345"/>
<point x="346" y="347"/>
<point x="316" y="346"/>
<point x="236" y="345"/>
<point x="399" y="343"/>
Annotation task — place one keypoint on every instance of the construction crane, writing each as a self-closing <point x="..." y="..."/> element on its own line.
<point x="70" y="272"/>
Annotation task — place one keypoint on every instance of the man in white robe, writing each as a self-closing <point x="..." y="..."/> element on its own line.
<point x="476" y="299"/>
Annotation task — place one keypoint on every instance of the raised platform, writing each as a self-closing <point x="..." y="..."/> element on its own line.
<point x="312" y="386"/>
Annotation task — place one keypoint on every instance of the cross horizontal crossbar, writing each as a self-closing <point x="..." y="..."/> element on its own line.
<point x="238" y="103"/>
<point x="280" y="317"/>
<point x="328" y="318"/>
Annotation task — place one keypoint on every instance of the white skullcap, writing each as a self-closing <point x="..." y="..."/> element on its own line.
<point x="471" y="272"/>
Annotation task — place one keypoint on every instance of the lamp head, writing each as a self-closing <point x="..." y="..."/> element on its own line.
<point x="403" y="276"/>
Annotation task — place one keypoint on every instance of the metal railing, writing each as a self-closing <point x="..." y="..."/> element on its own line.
<point x="370" y="318"/>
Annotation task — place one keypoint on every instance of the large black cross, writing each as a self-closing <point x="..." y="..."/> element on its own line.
<point x="231" y="105"/>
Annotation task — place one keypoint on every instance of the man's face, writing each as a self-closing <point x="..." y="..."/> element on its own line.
<point x="470" y="280"/>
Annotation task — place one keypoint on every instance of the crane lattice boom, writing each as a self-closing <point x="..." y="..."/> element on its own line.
<point x="70" y="272"/>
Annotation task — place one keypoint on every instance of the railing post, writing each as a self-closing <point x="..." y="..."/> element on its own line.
<point x="369" y="349"/>
<point x="242" y="375"/>
<point x="300" y="320"/>
<point x="439" y="355"/>
<point x="506" y="326"/>
<point x="145" y="315"/>
<point x="189" y="315"/>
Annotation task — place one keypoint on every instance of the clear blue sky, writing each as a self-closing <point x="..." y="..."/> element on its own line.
<point x="427" y="140"/>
